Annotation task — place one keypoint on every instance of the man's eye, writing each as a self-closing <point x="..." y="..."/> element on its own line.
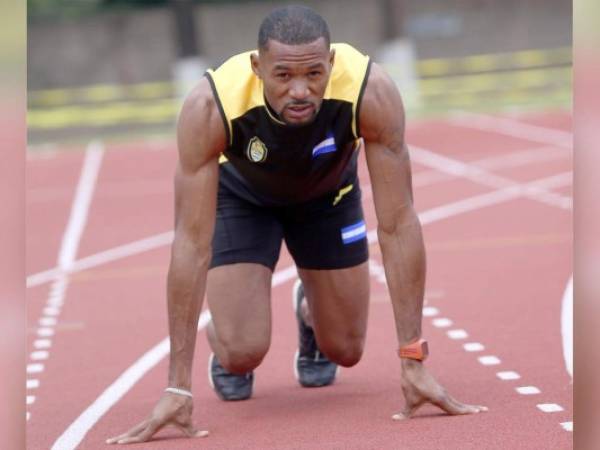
<point x="283" y="76"/>
<point x="314" y="73"/>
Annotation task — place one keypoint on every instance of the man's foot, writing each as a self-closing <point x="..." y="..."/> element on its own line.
<point x="311" y="367"/>
<point x="229" y="386"/>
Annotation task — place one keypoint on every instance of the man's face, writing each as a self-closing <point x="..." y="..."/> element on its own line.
<point x="295" y="78"/>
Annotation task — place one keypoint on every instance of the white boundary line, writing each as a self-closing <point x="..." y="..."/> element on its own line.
<point x="513" y="128"/>
<point x="71" y="238"/>
<point x="566" y="328"/>
<point x="514" y="159"/>
<point x="75" y="433"/>
<point x="481" y="176"/>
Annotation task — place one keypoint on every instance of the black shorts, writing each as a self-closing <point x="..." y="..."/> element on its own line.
<point x="325" y="233"/>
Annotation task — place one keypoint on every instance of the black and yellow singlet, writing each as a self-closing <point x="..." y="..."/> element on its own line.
<point x="271" y="164"/>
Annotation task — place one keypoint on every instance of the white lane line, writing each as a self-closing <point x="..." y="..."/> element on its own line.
<point x="33" y="384"/>
<point x="42" y="343"/>
<point x="29" y="399"/>
<point x="550" y="407"/>
<point x="51" y="311"/>
<point x="508" y="375"/>
<point x="75" y="433"/>
<point x="567" y="426"/>
<point x="473" y="347"/>
<point x="489" y="360"/>
<point x="527" y="390"/>
<point x="457" y="334"/>
<point x="45" y="332"/>
<point x="47" y="321"/>
<point x="70" y="243"/>
<point x="514" y="159"/>
<point x="97" y="259"/>
<point x="39" y="355"/>
<point x="442" y="322"/>
<point x="483" y="177"/>
<point x="35" y="368"/>
<point x="514" y="128"/>
<point x="430" y="311"/>
<point x="566" y="326"/>
<point x="81" y="205"/>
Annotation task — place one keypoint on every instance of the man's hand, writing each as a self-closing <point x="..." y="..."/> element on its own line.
<point x="173" y="410"/>
<point x="420" y="387"/>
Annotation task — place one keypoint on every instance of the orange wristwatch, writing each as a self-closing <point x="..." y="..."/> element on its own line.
<point x="417" y="350"/>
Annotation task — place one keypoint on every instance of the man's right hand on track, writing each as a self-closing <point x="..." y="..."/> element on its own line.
<point x="171" y="410"/>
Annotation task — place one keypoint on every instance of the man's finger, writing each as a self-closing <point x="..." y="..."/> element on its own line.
<point x="454" y="407"/>
<point x="191" y="431"/>
<point x="144" y="435"/>
<point x="133" y="431"/>
<point x="408" y="411"/>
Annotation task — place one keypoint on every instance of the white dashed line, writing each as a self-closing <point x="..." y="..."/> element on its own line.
<point x="549" y="407"/>
<point x="47" y="321"/>
<point x="42" y="343"/>
<point x="39" y="355"/>
<point x="27" y="415"/>
<point x="473" y="347"/>
<point x="51" y="311"/>
<point x="567" y="426"/>
<point x="430" y="311"/>
<point x="33" y="384"/>
<point x="527" y="390"/>
<point x="489" y="360"/>
<point x="442" y="322"/>
<point x="457" y="334"/>
<point x="30" y="399"/>
<point x="508" y="375"/>
<point x="45" y="332"/>
<point x="35" y="368"/>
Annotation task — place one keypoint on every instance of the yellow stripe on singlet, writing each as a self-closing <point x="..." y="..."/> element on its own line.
<point x="342" y="192"/>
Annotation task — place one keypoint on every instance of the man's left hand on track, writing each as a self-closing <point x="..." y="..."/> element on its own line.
<point x="420" y="387"/>
<point x="171" y="410"/>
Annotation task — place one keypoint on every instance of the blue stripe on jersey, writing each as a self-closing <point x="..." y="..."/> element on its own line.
<point x="353" y="233"/>
<point x="325" y="146"/>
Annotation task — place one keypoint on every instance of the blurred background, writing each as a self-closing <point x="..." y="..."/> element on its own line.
<point x="117" y="69"/>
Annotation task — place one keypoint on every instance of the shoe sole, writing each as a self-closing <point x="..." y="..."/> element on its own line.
<point x="210" y="378"/>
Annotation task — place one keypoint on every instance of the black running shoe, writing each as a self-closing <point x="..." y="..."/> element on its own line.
<point x="311" y="367"/>
<point x="229" y="386"/>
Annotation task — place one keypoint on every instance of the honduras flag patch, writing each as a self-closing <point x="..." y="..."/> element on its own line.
<point x="325" y="146"/>
<point x="353" y="233"/>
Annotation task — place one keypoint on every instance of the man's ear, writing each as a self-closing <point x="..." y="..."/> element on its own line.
<point x="332" y="56"/>
<point x="254" y="63"/>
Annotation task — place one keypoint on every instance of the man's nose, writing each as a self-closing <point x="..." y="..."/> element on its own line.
<point x="299" y="90"/>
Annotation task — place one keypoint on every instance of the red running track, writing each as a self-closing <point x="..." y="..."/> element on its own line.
<point x="498" y="265"/>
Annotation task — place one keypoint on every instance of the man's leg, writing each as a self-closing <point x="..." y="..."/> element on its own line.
<point x="338" y="305"/>
<point x="239" y="298"/>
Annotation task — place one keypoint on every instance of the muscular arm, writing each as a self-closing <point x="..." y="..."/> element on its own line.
<point x="399" y="230"/>
<point x="400" y="237"/>
<point x="200" y="139"/>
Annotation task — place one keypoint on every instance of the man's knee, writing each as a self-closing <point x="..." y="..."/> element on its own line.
<point x="243" y="358"/>
<point x="346" y="353"/>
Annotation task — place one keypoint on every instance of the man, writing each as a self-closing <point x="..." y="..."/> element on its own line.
<point x="268" y="149"/>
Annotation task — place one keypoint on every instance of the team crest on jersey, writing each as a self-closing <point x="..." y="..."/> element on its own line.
<point x="257" y="150"/>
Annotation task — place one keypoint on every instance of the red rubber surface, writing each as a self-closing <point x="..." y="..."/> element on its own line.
<point x="498" y="272"/>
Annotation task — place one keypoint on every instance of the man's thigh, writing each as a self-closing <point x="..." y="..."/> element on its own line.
<point x="239" y="299"/>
